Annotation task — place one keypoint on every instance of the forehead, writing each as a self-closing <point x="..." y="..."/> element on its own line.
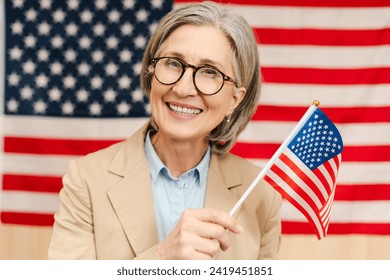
<point x="198" y="43"/>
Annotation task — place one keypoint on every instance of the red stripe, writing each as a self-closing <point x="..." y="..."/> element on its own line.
<point x="350" y="153"/>
<point x="303" y="176"/>
<point x="321" y="37"/>
<point x="330" y="172"/>
<point x="366" y="76"/>
<point x="362" y="192"/>
<point x="294" y="186"/>
<point x="31" y="183"/>
<point x="29" y="219"/>
<point x="286" y="196"/>
<point x="337" y="228"/>
<point x="54" y="146"/>
<point x="323" y="180"/>
<point x="302" y="3"/>
<point x="337" y="115"/>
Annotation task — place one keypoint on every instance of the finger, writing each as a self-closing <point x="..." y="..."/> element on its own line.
<point x="213" y="232"/>
<point x="221" y="218"/>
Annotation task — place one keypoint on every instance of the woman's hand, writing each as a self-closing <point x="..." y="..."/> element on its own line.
<point x="199" y="234"/>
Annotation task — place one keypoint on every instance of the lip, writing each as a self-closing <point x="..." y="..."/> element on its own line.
<point x="183" y="110"/>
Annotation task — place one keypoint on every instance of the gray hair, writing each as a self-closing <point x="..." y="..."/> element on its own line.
<point x="245" y="61"/>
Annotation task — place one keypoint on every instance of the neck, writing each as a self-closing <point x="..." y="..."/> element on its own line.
<point x="179" y="156"/>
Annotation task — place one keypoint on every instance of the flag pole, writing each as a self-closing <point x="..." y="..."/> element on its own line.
<point x="266" y="168"/>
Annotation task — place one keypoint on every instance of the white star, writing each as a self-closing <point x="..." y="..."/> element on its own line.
<point x="86" y="16"/>
<point x="12" y="106"/>
<point x="59" y="16"/>
<point x="137" y="95"/>
<point x="17" y="28"/>
<point x="56" y="68"/>
<point x="57" y="42"/>
<point x="40" y="107"/>
<point x="82" y="95"/>
<point x="73" y="4"/>
<point x="41" y="81"/>
<point x="114" y="16"/>
<point x="142" y="15"/>
<point x="44" y="28"/>
<point x="70" y="55"/>
<point x="127" y="29"/>
<point x="67" y="108"/>
<point x="112" y="42"/>
<point x="43" y="55"/>
<point x="128" y="4"/>
<point x="30" y="41"/>
<point x="111" y="69"/>
<point x="26" y="93"/>
<point x="110" y="95"/>
<point x="85" y="42"/>
<point x="29" y="67"/>
<point x="123" y="108"/>
<point x="152" y="27"/>
<point x="137" y="68"/>
<point x="96" y="82"/>
<point x="15" y="53"/>
<point x="140" y="42"/>
<point x="18" y="3"/>
<point x="31" y="15"/>
<point x="84" y="69"/>
<point x="157" y="4"/>
<point x="124" y="82"/>
<point x="69" y="81"/>
<point x="71" y="29"/>
<point x="45" y="4"/>
<point x="13" y="79"/>
<point x="125" y="56"/>
<point x="97" y="56"/>
<point x="55" y="94"/>
<point x="95" y="109"/>
<point x="100" y="4"/>
<point x="147" y="108"/>
<point x="99" y="29"/>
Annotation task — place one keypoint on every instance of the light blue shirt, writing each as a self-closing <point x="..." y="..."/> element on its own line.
<point x="173" y="195"/>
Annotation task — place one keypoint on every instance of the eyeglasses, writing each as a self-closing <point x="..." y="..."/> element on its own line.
<point x="207" y="79"/>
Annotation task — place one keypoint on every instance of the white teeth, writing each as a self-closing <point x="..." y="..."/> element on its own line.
<point x="183" y="110"/>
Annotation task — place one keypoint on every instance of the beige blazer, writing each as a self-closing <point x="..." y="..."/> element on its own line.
<point x="106" y="206"/>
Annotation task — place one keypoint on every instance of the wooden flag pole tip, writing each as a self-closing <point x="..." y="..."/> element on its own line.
<point x="316" y="103"/>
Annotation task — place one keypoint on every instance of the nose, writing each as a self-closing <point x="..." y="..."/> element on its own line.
<point x="185" y="86"/>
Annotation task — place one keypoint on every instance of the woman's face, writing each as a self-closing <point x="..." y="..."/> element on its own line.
<point x="180" y="111"/>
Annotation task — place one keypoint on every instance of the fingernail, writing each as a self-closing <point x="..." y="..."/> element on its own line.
<point x="240" y="228"/>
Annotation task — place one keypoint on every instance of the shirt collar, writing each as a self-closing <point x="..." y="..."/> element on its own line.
<point x="156" y="165"/>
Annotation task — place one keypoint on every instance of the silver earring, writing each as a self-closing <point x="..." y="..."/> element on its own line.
<point x="228" y="119"/>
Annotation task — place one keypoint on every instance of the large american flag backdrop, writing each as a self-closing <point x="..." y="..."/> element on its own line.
<point x="70" y="87"/>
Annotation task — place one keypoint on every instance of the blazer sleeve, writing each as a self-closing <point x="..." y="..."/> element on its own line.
<point x="73" y="234"/>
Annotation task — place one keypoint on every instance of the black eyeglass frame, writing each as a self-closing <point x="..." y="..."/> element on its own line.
<point x="184" y="66"/>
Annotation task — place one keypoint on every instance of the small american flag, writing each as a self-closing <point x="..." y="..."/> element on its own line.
<point x="305" y="171"/>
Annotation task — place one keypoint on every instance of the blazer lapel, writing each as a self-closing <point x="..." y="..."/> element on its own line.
<point x="132" y="197"/>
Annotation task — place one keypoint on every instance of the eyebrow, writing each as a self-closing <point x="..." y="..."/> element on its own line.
<point x="203" y="61"/>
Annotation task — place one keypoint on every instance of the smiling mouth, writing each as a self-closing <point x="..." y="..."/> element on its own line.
<point x="184" y="110"/>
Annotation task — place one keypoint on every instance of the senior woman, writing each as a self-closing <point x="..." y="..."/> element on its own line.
<point x="165" y="192"/>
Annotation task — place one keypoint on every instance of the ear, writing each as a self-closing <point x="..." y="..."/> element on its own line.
<point x="237" y="97"/>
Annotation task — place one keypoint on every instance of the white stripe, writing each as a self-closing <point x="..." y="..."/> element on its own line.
<point x="346" y="212"/>
<point x="72" y="128"/>
<point x="324" y="56"/>
<point x="327" y="176"/>
<point x="299" y="181"/>
<point x="355" y="134"/>
<point x="36" y="164"/>
<point x="18" y="201"/>
<point x="328" y="95"/>
<point x="356" y="173"/>
<point x="302" y="17"/>
<point x="296" y="197"/>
